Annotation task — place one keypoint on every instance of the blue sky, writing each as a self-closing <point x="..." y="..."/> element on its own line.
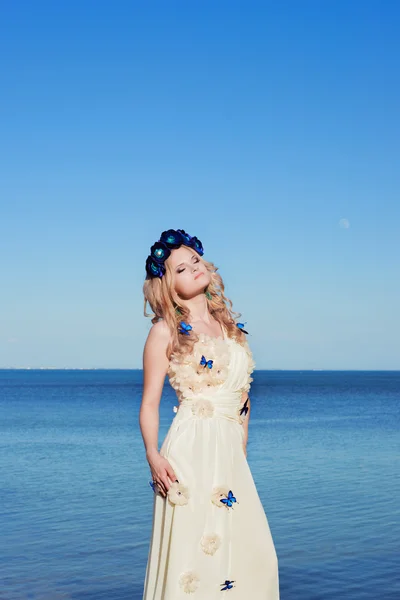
<point x="269" y="130"/>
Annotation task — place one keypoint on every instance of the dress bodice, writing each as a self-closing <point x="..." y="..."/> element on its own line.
<point x="215" y="363"/>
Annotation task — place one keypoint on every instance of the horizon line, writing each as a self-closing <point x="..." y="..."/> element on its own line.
<point x="141" y="369"/>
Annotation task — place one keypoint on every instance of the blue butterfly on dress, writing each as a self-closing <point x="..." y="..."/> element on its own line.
<point x="227" y="585"/>
<point x="206" y="363"/>
<point x="184" y="328"/>
<point x="229" y="500"/>
<point x="241" y="325"/>
<point x="245" y="408"/>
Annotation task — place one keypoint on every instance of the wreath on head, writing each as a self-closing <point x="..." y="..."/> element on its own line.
<point x="161" y="250"/>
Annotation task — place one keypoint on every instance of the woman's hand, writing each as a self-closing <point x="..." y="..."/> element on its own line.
<point x="161" y="471"/>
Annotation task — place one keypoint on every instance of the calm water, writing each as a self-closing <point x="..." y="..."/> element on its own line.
<point x="75" y="504"/>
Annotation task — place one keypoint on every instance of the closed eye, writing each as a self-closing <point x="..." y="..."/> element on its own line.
<point x="196" y="261"/>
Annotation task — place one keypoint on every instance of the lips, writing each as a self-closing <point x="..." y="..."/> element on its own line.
<point x="198" y="275"/>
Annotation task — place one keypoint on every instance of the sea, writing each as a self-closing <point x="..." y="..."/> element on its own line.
<point x="76" y="504"/>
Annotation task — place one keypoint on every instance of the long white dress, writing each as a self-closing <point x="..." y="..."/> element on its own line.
<point x="210" y="535"/>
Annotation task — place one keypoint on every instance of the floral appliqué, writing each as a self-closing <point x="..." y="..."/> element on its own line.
<point x="178" y="494"/>
<point x="203" y="408"/>
<point x="218" y="493"/>
<point x="222" y="496"/>
<point x="189" y="581"/>
<point x="188" y="375"/>
<point x="210" y="543"/>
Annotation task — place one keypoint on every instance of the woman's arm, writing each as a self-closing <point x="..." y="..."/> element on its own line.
<point x="155" y="367"/>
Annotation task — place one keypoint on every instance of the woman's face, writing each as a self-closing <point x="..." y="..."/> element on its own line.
<point x="190" y="276"/>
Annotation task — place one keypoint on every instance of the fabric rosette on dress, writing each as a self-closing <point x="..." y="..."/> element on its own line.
<point x="218" y="493"/>
<point x="210" y="543"/>
<point x="203" y="408"/>
<point x="178" y="494"/>
<point x="189" y="581"/>
<point x="191" y="375"/>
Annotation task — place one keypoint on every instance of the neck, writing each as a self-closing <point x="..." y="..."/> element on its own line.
<point x="198" y="309"/>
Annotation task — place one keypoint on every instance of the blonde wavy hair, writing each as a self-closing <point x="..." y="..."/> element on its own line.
<point x="159" y="293"/>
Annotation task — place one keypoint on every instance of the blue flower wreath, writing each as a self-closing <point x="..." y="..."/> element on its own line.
<point x="161" y="250"/>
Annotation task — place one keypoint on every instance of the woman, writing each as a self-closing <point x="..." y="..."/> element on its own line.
<point x="210" y="533"/>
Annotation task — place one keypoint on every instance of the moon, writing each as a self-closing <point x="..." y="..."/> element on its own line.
<point x="344" y="223"/>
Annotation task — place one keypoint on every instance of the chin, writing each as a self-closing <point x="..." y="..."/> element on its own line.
<point x="202" y="281"/>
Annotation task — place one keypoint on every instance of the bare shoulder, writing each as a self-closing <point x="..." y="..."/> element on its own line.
<point x="160" y="332"/>
<point x="158" y="337"/>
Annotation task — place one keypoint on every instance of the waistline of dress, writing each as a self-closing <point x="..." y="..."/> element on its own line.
<point x="219" y="396"/>
<point x="225" y="407"/>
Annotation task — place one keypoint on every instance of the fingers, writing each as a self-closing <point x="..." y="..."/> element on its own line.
<point x="159" y="486"/>
<point x="162" y="489"/>
<point x="164" y="479"/>
<point x="168" y="477"/>
<point x="171" y="473"/>
<point x="165" y="483"/>
<point x="163" y="475"/>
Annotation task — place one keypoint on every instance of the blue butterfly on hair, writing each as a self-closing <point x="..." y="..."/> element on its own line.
<point x="227" y="585"/>
<point x="229" y="500"/>
<point x="206" y="363"/>
<point x="184" y="328"/>
<point x="241" y="326"/>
